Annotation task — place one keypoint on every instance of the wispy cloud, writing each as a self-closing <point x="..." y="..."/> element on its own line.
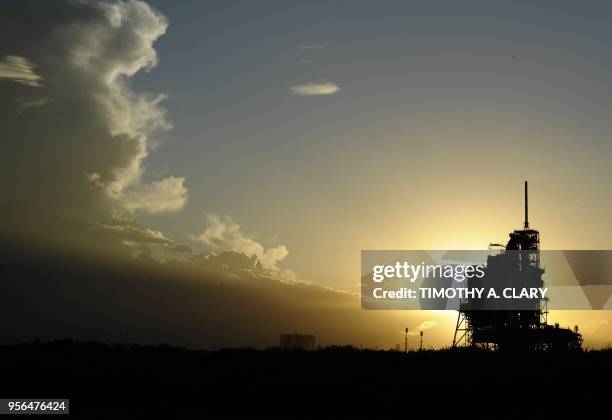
<point x="19" y="69"/>
<point x="310" y="89"/>
<point x="310" y="47"/>
<point x="425" y="325"/>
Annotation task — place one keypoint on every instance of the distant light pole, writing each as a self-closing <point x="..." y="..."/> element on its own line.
<point x="421" y="347"/>
<point x="406" y="342"/>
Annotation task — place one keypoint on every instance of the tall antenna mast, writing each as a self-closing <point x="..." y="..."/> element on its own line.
<point x="526" y="208"/>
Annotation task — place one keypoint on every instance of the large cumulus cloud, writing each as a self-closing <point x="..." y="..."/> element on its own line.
<point x="224" y="234"/>
<point x="74" y="134"/>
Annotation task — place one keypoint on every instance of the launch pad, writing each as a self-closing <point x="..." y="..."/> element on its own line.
<point x="525" y="329"/>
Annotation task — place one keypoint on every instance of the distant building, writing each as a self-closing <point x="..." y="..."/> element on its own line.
<point x="297" y="341"/>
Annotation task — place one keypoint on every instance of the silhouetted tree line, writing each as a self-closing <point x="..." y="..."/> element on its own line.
<point x="103" y="379"/>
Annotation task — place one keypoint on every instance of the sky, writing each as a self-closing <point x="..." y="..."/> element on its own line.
<point x="440" y="108"/>
<point x="304" y="132"/>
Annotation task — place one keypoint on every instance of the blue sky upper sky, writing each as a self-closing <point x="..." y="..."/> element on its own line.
<point x="443" y="108"/>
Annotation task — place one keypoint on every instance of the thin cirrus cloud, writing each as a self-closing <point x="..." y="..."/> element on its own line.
<point x="19" y="69"/>
<point x="310" y="47"/>
<point x="313" y="89"/>
<point x="425" y="325"/>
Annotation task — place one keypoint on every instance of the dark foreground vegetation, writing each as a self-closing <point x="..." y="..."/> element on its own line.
<point x="118" y="381"/>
